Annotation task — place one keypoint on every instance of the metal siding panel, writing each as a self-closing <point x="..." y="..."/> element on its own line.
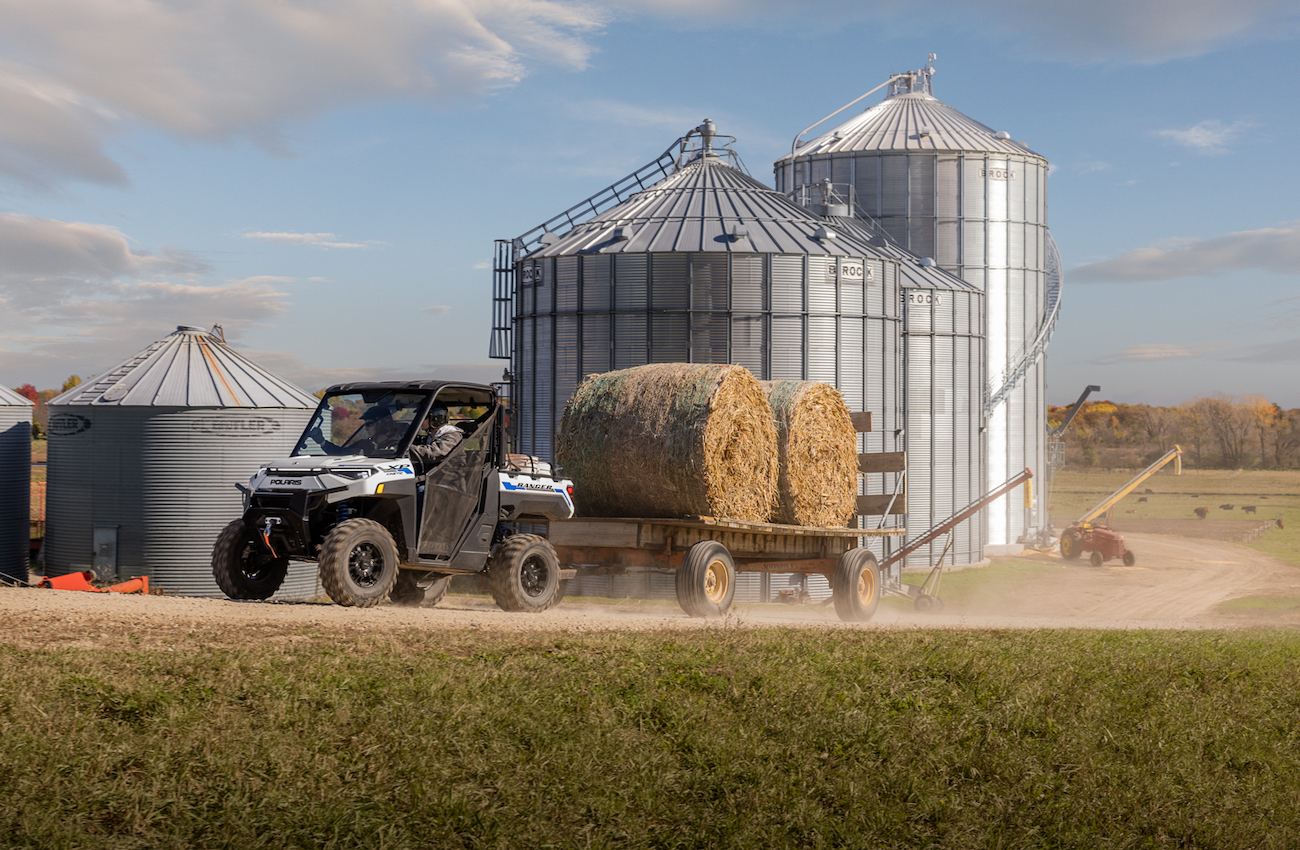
<point x="893" y="186"/>
<point x="15" y="491"/>
<point x="852" y="382"/>
<point x="595" y="344"/>
<point x="527" y="401"/>
<point x="709" y="285"/>
<point x="920" y="184"/>
<point x="851" y="289"/>
<point x="544" y="285"/>
<point x="787" y="348"/>
<point x="787" y="284"/>
<point x="1016" y="189"/>
<point x="748" y="293"/>
<point x="822" y="349"/>
<point x="947" y="243"/>
<point x="749" y="344"/>
<point x="973" y="183"/>
<point x="631" y="287"/>
<point x="709" y="338"/>
<point x="566" y="365"/>
<point x="669" y="338"/>
<point x="566" y="284"/>
<point x="595" y="283"/>
<point x="866" y="173"/>
<point x="543" y="395"/>
<point x="821" y="284"/>
<point x="630" y="340"/>
<point x="670" y="289"/>
<point x="947" y="188"/>
<point x="875" y="287"/>
<point x="920" y="236"/>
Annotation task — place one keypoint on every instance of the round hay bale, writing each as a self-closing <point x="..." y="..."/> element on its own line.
<point x="818" y="447"/>
<point x="670" y="440"/>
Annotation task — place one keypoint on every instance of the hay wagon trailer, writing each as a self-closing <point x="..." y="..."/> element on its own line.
<point x="706" y="553"/>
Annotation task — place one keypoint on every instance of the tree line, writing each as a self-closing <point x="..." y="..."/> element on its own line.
<point x="41" y="398"/>
<point x="1214" y="432"/>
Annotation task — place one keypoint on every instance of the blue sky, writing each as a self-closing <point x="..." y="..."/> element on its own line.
<point x="325" y="179"/>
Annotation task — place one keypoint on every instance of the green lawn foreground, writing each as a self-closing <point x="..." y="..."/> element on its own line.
<point x="722" y="737"/>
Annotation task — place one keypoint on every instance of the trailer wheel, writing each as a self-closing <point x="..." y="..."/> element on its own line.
<point x="855" y="587"/>
<point x="1129" y="558"/>
<point x="706" y="581"/>
<point x="1071" y="545"/>
<point x="408" y="592"/>
<point x="524" y="574"/>
<point x="358" y="563"/>
<point x="1096" y="558"/>
<point x="242" y="566"/>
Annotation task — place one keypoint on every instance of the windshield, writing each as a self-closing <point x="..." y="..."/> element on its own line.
<point x="374" y="424"/>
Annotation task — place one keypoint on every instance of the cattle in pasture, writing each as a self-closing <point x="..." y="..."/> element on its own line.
<point x="1201" y="513"/>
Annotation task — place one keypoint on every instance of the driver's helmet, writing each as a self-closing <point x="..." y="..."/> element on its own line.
<point x="382" y="410"/>
<point x="438" y="416"/>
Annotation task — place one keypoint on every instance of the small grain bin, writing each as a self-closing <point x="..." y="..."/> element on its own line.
<point x="15" y="485"/>
<point x="144" y="459"/>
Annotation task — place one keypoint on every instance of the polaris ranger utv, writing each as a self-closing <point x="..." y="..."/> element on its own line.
<point x="354" y="498"/>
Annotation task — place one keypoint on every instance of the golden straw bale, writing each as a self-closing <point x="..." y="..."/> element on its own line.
<point x="670" y="440"/>
<point x="818" y="480"/>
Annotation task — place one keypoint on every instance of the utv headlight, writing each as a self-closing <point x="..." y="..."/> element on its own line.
<point x="354" y="474"/>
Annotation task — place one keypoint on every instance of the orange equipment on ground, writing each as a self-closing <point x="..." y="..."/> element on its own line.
<point x="81" y="581"/>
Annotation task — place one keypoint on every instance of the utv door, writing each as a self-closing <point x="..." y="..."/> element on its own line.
<point x="453" y="492"/>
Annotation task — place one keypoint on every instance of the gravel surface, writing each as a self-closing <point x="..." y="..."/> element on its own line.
<point x="1175" y="584"/>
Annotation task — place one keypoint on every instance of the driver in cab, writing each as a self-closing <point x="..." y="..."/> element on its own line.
<point x="437" y="440"/>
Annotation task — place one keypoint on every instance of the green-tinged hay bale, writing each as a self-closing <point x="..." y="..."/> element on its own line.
<point x="818" y="447"/>
<point x="671" y="440"/>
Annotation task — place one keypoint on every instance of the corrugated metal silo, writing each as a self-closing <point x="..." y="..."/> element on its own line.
<point x="945" y="186"/>
<point x="144" y="459"/>
<point x="707" y="265"/>
<point x="15" y="485"/>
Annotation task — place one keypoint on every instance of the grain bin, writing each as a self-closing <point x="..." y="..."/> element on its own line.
<point x="692" y="260"/>
<point x="947" y="187"/>
<point x="15" y="485"/>
<point x="144" y="459"/>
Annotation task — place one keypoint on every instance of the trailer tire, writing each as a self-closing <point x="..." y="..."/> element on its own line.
<point x="855" y="587"/>
<point x="1096" y="558"/>
<point x="1071" y="545"/>
<point x="358" y="563"/>
<point x="242" y="567"/>
<point x="1129" y="558"/>
<point x="706" y="580"/>
<point x="408" y="592"/>
<point x="524" y="574"/>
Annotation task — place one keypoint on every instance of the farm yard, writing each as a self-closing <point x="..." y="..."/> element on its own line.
<point x="1049" y="704"/>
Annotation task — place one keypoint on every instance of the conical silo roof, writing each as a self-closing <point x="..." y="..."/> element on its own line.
<point x="912" y="121"/>
<point x="188" y="368"/>
<point x="697" y="209"/>
<point x="9" y="398"/>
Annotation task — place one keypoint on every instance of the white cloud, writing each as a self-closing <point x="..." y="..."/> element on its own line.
<point x="481" y="266"/>
<point x="72" y="71"/>
<point x="1208" y="136"/>
<point x="1140" y="31"/>
<point x="1273" y="249"/>
<point x="437" y="309"/>
<point x="320" y="240"/>
<point x="77" y="297"/>
<point x="1147" y="352"/>
<point x="675" y="120"/>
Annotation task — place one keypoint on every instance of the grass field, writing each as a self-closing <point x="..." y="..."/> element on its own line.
<point x="1274" y="494"/>
<point x="720" y="738"/>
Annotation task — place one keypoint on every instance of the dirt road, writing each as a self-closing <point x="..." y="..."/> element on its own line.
<point x="1176" y="584"/>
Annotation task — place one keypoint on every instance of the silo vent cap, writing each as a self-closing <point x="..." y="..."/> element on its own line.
<point x="823" y="233"/>
<point x="738" y="232"/>
<point x="1002" y="134"/>
<point x="926" y="261"/>
<point x="622" y="233"/>
<point x="189" y="329"/>
<point x="548" y="238"/>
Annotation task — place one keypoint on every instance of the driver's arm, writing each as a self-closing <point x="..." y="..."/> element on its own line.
<point x="439" y="446"/>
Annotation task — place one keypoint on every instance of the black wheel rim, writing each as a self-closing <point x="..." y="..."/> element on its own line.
<point x="533" y="575"/>
<point x="254" y="562"/>
<point x="365" y="564"/>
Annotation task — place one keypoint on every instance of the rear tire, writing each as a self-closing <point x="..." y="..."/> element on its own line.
<point x="524" y="574"/>
<point x="1071" y="545"/>
<point x="855" y="587"/>
<point x="242" y="566"/>
<point x="358" y="563"/>
<point x="1129" y="558"/>
<point x="706" y="580"/>
<point x="1096" y="558"/>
